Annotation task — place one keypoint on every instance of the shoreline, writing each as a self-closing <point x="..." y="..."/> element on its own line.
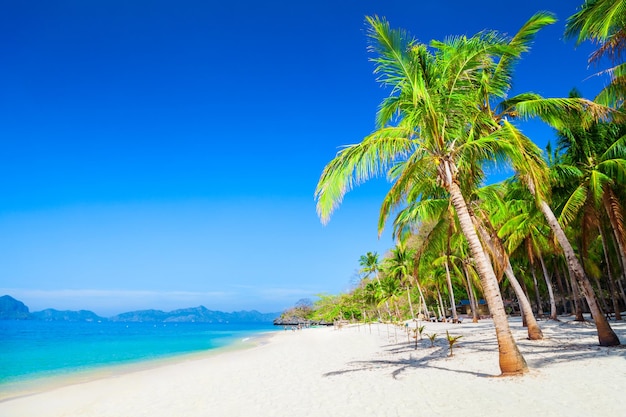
<point x="363" y="371"/>
<point x="29" y="386"/>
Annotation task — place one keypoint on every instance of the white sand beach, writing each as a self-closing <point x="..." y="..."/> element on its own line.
<point x="358" y="371"/>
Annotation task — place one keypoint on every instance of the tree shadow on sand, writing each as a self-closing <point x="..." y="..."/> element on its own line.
<point x="433" y="358"/>
<point x="403" y="357"/>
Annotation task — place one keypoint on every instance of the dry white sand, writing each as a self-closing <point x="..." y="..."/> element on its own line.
<point x="357" y="372"/>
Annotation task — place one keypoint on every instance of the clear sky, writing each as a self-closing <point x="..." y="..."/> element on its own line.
<point x="164" y="154"/>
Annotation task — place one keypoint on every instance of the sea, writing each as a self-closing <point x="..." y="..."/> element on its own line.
<point x="32" y="351"/>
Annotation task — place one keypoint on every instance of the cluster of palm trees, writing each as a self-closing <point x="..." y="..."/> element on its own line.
<point x="555" y="227"/>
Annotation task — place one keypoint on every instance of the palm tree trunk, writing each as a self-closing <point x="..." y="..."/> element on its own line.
<point x="510" y="358"/>
<point x="367" y="320"/>
<point x="534" y="331"/>
<point x="607" y="200"/>
<point x="408" y="293"/>
<point x="606" y="335"/>
<point x="621" y="288"/>
<point x="537" y="296"/>
<point x="470" y="295"/>
<point x="546" y="277"/>
<point x="562" y="289"/>
<point x="455" y="317"/>
<point x="616" y="310"/>
<point x="599" y="293"/>
<point x="440" y="306"/>
<point x="423" y="300"/>
<point x="576" y="298"/>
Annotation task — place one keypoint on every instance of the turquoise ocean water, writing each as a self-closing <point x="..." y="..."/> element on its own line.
<point x="30" y="350"/>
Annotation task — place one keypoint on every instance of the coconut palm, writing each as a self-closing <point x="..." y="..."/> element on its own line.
<point x="606" y="335"/>
<point x="438" y="216"/>
<point x="489" y="214"/>
<point x="370" y="265"/>
<point x="524" y="155"/>
<point x="592" y="171"/>
<point x="531" y="170"/>
<point x="373" y="295"/>
<point x="400" y="266"/>
<point x="436" y="120"/>
<point x="526" y="230"/>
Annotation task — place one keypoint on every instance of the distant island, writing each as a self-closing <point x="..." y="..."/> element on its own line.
<point x="12" y="309"/>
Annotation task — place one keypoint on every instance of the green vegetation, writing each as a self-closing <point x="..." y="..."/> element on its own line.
<point x="550" y="238"/>
<point x="432" y="338"/>
<point x="451" y="341"/>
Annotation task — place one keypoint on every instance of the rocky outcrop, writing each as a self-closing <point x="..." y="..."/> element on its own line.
<point x="12" y="309"/>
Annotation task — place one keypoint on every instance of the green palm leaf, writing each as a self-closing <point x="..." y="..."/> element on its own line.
<point x="358" y="163"/>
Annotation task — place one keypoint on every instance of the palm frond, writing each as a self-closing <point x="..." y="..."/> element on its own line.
<point x="615" y="169"/>
<point x="614" y="94"/>
<point x="573" y="205"/>
<point x="527" y="160"/>
<point x="597" y="20"/>
<point x="413" y="180"/>
<point x="553" y="111"/>
<point x="597" y="183"/>
<point x="522" y="39"/>
<point x="615" y="209"/>
<point x="358" y="163"/>
<point x="423" y="211"/>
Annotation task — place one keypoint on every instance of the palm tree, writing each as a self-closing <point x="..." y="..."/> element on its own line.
<point x="525" y="229"/>
<point x="531" y="170"/>
<point x="400" y="266"/>
<point x="592" y="170"/>
<point x="606" y="335"/>
<point x="370" y="265"/>
<point x="435" y="121"/>
<point x="491" y="208"/>
<point x="373" y="295"/>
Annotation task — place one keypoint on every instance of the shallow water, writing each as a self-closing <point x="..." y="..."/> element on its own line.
<point x="32" y="350"/>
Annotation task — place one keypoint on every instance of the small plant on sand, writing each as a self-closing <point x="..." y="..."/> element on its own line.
<point x="418" y="332"/>
<point x="452" y="340"/>
<point x="432" y="339"/>
<point x="420" y="329"/>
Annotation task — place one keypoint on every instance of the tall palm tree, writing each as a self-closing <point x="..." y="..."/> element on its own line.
<point x="435" y="119"/>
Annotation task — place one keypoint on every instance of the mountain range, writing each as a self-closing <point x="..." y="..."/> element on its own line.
<point x="12" y="309"/>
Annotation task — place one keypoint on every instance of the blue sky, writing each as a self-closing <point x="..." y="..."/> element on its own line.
<point x="161" y="154"/>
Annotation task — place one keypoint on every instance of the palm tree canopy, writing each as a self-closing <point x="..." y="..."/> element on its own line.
<point x="598" y="21"/>
<point x="369" y="263"/>
<point x="604" y="22"/>
<point x="438" y="110"/>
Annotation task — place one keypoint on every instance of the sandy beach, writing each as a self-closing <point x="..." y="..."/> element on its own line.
<point x="361" y="371"/>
